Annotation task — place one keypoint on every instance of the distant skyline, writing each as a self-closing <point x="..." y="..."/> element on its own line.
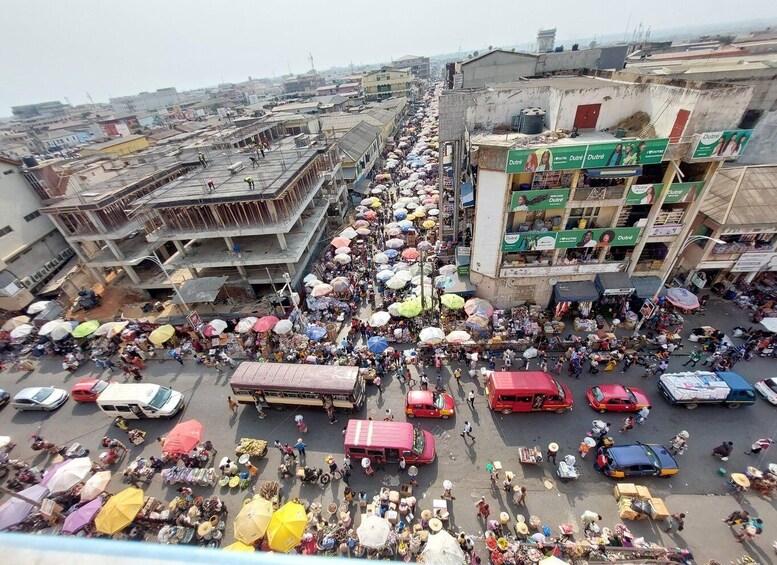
<point x="62" y="50"/>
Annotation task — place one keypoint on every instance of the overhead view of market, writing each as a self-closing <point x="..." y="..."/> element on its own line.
<point x="446" y="338"/>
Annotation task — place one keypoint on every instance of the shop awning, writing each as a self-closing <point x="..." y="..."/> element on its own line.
<point x="460" y="285"/>
<point x="646" y="287"/>
<point x="467" y="195"/>
<point x="615" y="172"/>
<point x="205" y="289"/>
<point x="575" y="291"/>
<point x="611" y="284"/>
<point x="362" y="187"/>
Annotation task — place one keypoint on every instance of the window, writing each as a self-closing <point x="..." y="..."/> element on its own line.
<point x="31" y="216"/>
<point x="5" y="230"/>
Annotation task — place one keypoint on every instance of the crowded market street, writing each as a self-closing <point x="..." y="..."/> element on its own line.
<point x="382" y="297"/>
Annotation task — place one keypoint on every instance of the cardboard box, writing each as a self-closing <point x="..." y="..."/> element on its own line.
<point x="643" y="493"/>
<point x="625" y="489"/>
<point x="659" y="510"/>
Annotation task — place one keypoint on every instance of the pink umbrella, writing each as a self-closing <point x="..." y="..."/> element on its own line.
<point x="410" y="253"/>
<point x="183" y="438"/>
<point x="363" y="231"/>
<point x="478" y="306"/>
<point x="321" y="290"/>
<point x="265" y="323"/>
<point x="370" y="215"/>
<point x="361" y="224"/>
<point x="340" y="242"/>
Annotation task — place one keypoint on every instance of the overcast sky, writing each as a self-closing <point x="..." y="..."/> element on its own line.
<point x="55" y="49"/>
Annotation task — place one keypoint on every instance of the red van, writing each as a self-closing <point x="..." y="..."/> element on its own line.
<point x="529" y="391"/>
<point x="383" y="442"/>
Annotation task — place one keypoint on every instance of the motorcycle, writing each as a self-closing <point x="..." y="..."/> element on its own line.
<point x="314" y="475"/>
<point x="301" y="425"/>
<point x="43" y="445"/>
<point x="567" y="469"/>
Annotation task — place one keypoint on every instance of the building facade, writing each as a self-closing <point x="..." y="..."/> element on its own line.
<point x="146" y="101"/>
<point x="420" y="67"/>
<point x="567" y="205"/>
<point x="387" y="83"/>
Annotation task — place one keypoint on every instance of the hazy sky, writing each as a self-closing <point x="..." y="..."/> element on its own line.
<point x="52" y="49"/>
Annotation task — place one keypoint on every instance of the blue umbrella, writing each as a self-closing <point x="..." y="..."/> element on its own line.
<point x="377" y="344"/>
<point x="384" y="275"/>
<point x="316" y="333"/>
<point x="400" y="215"/>
<point x="391" y="253"/>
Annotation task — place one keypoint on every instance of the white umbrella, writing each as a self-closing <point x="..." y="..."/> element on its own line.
<point x="380" y="258"/>
<point x="373" y="531"/>
<point x="396" y="283"/>
<point x="393" y="309"/>
<point x="245" y="325"/>
<point x="342" y="258"/>
<point x="21" y="331"/>
<point x="443" y="549"/>
<point x="432" y="336"/>
<point x="321" y="290"/>
<point x="283" y="327"/>
<point x="313" y="282"/>
<point x="309" y="277"/>
<point x="379" y="319"/>
<point x="416" y="280"/>
<point x="350" y="233"/>
<point x="46" y="328"/>
<point x="62" y="330"/>
<point x="417" y="268"/>
<point x="394" y="243"/>
<point x="458" y="336"/>
<point x="447" y="270"/>
<point x="434" y="212"/>
<point x="69" y="474"/>
<point x="403" y="276"/>
<point x="217" y="326"/>
<point x="110" y="329"/>
<point x="343" y="250"/>
<point x="37" y="307"/>
<point x="401" y="266"/>
<point x="427" y="290"/>
<point x="15" y="322"/>
<point x="95" y="485"/>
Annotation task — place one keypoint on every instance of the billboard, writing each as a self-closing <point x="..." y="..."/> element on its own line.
<point x="721" y="145"/>
<point x="683" y="192"/>
<point x="591" y="156"/>
<point x="643" y="193"/>
<point x="544" y="241"/>
<point x="679" y="192"/>
<point x="529" y="200"/>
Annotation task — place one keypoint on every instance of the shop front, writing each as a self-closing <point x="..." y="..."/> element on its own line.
<point x="615" y="290"/>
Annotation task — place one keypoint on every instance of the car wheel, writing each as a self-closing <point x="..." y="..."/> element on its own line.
<point x="691" y="406"/>
<point x="411" y="416"/>
<point x="560" y="410"/>
<point x="506" y="411"/>
<point x="734" y="406"/>
<point x="445" y="417"/>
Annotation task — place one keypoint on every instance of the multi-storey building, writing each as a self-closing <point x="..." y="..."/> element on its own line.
<point x="387" y="83"/>
<point x="146" y="101"/>
<point x="419" y="66"/>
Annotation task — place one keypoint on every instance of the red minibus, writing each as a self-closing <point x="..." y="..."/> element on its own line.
<point x="526" y="391"/>
<point x="382" y="442"/>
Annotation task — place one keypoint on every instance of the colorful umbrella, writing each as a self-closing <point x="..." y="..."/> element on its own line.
<point x="361" y="224"/>
<point x="384" y="275"/>
<point x="373" y="531"/>
<point x="15" y="322"/>
<point x="340" y="242"/>
<point x="321" y="290"/>
<point x="363" y="231"/>
<point x="38" y="307"/>
<point x="119" y="511"/>
<point x="95" y="485"/>
<point x="246" y="324"/>
<point x="21" y="331"/>
<point x="682" y="298"/>
<point x="478" y="306"/>
<point x="476" y="322"/>
<point x="183" y="438"/>
<point x="251" y="522"/>
<point x="458" y="336"/>
<point x="343" y="250"/>
<point x="214" y="328"/>
<point x="14" y="510"/>
<point x="161" y="334"/>
<point x="391" y="253"/>
<point x="316" y="333"/>
<point x="410" y="254"/>
<point x="86" y="328"/>
<point x="379" y="319"/>
<point x="283" y="327"/>
<point x="409" y="309"/>
<point x="69" y="474"/>
<point x="377" y="344"/>
<point x="432" y="336"/>
<point x="370" y="215"/>
<point x="265" y="323"/>
<point x="240" y="546"/>
<point x="286" y="527"/>
<point x="81" y="517"/>
<point x="452" y="301"/>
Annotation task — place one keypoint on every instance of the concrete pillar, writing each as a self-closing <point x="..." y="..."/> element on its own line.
<point x="272" y="210"/>
<point x="282" y="241"/>
<point x="242" y="270"/>
<point x="132" y="274"/>
<point x="230" y="244"/>
<point x="163" y="254"/>
<point x="179" y="246"/>
<point x="291" y="268"/>
<point x="96" y="221"/>
<point x="115" y="250"/>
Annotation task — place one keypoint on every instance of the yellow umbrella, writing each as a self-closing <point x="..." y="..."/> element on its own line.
<point x="420" y="213"/>
<point x="239" y="546"/>
<point x="286" y="527"/>
<point x="119" y="511"/>
<point x="252" y="521"/>
<point x="376" y="203"/>
<point x="452" y="301"/>
<point x="428" y="224"/>
<point x="161" y="334"/>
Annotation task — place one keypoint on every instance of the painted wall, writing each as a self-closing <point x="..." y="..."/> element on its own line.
<point x="490" y="226"/>
<point x="497" y="68"/>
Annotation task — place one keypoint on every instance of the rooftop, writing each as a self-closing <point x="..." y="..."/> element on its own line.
<point x="357" y="140"/>
<point x="113" y="142"/>
<point x="750" y="192"/>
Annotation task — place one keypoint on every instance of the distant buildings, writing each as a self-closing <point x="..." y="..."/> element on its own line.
<point x="41" y="109"/>
<point x="387" y="82"/>
<point x="120" y="146"/>
<point x="146" y="101"/>
<point x="419" y="66"/>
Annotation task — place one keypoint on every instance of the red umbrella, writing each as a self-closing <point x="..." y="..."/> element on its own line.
<point x="265" y="323"/>
<point x="183" y="438"/>
<point x="410" y="253"/>
<point x="370" y="215"/>
<point x="340" y="242"/>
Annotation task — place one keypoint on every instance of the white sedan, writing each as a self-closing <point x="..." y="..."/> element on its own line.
<point x="768" y="389"/>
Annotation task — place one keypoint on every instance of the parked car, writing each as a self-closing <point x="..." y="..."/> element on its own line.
<point x="429" y="404"/>
<point x="39" y="398"/>
<point x="636" y="460"/>
<point x="87" y="390"/>
<point x="4" y="397"/>
<point x="616" y="398"/>
<point x="768" y="389"/>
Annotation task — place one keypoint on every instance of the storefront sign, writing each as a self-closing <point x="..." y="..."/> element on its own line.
<point x="666" y="230"/>
<point x="528" y="200"/>
<point x="699" y="279"/>
<point x="647" y="309"/>
<point x="752" y="262"/>
<point x="595" y="155"/>
<point x="617" y="291"/>
<point x="543" y="241"/>
<point x="643" y="193"/>
<point x="679" y="192"/>
<point x="194" y="319"/>
<point x="582" y="269"/>
<point x="721" y="145"/>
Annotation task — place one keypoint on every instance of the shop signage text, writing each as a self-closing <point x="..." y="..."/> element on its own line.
<point x="543" y="241"/>
<point x="679" y="192"/>
<point x="528" y="200"/>
<point x="721" y="145"/>
<point x="752" y="262"/>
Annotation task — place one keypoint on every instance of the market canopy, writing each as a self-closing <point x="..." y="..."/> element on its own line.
<point x="183" y="438"/>
<point x="205" y="289"/>
<point x="770" y="324"/>
<point x="14" y="510"/>
<point x="575" y="291"/>
<point x="647" y="287"/>
<point x="119" y="511"/>
<point x="614" y="284"/>
<point x="682" y="298"/>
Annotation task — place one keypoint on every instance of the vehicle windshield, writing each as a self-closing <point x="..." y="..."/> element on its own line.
<point x="652" y="454"/>
<point x="561" y="394"/>
<point x="100" y="386"/>
<point x="42" y="394"/>
<point x="160" y="398"/>
<point x="771" y="384"/>
<point x="439" y="400"/>
<point x="632" y="397"/>
<point x="418" y="441"/>
<point x="597" y="392"/>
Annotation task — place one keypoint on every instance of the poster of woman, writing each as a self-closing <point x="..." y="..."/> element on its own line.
<point x="539" y="161"/>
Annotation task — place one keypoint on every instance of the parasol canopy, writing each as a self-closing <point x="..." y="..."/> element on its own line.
<point x="68" y="474"/>
<point x="265" y="323"/>
<point x="240" y="546"/>
<point x="432" y="336"/>
<point x="315" y="333"/>
<point x="384" y="275"/>
<point x="14" y="510"/>
<point x="396" y="283"/>
<point x="214" y="328"/>
<point x="377" y="344"/>
<point x="447" y="270"/>
<point x="111" y="329"/>
<point x="342" y="258"/>
<point x="95" y="485"/>
<point x="38" y="307"/>
<point x="458" y="336"/>
<point x="682" y="298"/>
<point x="347" y="233"/>
<point x="478" y="306"/>
<point x="363" y="231"/>
<point x="340" y="241"/>
<point x="373" y="531"/>
<point x="426" y="268"/>
<point x="380" y="258"/>
<point x="322" y="289"/>
<point x="21" y="331"/>
<point x="393" y="309"/>
<point x="340" y="284"/>
<point x="161" y="334"/>
<point x="86" y="328"/>
<point x="409" y="308"/>
<point x="246" y="324"/>
<point x="379" y="319"/>
<point x="286" y="527"/>
<point x="15" y="322"/>
<point x="452" y="301"/>
<point x="183" y="438"/>
<point x="252" y="521"/>
<point x="283" y="327"/>
<point x="82" y="516"/>
<point x="395" y="243"/>
<point x="391" y="253"/>
<point x="443" y="549"/>
<point x="119" y="511"/>
<point x="309" y="277"/>
<point x="343" y="250"/>
<point x="476" y="322"/>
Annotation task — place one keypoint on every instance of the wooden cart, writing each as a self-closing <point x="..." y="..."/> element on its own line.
<point x="529" y="455"/>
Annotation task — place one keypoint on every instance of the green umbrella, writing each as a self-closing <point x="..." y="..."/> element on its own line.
<point x="410" y="309"/>
<point x="452" y="301"/>
<point x="86" y="328"/>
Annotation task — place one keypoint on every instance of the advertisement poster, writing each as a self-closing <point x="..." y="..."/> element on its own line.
<point x="529" y="200"/>
<point x="643" y="194"/>
<point x="596" y="155"/>
<point x="722" y="144"/>
<point x="683" y="192"/>
<point x="679" y="192"/>
<point x="544" y="241"/>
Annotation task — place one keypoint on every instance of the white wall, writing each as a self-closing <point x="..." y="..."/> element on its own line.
<point x="490" y="217"/>
<point x="497" y="107"/>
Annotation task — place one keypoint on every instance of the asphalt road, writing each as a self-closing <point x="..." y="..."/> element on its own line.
<point x="462" y="462"/>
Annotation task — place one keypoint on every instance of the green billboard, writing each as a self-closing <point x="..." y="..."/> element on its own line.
<point x="681" y="192"/>
<point x="543" y="241"/>
<point x="529" y="200"/>
<point x="722" y="144"/>
<point x="643" y="193"/>
<point x="594" y="155"/>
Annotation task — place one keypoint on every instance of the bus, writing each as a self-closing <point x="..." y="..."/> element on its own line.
<point x="280" y="385"/>
<point x="526" y="391"/>
<point x="387" y="442"/>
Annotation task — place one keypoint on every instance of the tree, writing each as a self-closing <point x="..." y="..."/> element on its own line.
<point x="490" y="47"/>
<point x="476" y="53"/>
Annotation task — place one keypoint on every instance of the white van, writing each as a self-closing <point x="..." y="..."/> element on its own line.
<point x="139" y="400"/>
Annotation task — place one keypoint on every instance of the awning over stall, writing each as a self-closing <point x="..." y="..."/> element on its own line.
<point x="611" y="284"/>
<point x="575" y="291"/>
<point x="646" y="287"/>
<point x="205" y="289"/>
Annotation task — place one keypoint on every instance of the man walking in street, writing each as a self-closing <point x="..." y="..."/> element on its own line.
<point x="471" y="399"/>
<point x="232" y="404"/>
<point x="759" y="446"/>
<point x="693" y="358"/>
<point x="676" y="521"/>
<point x="300" y="447"/>
<point x="467" y="430"/>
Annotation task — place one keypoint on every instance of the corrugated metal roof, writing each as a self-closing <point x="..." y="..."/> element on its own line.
<point x="357" y="140"/>
<point x="754" y="203"/>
